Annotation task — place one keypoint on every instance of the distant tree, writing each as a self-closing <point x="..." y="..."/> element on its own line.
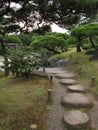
<point x="84" y="31"/>
<point x="53" y="42"/>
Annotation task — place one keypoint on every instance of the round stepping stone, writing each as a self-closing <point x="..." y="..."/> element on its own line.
<point x="67" y="81"/>
<point x="76" y="88"/>
<point x="76" y="100"/>
<point x="66" y="75"/>
<point x="76" y="119"/>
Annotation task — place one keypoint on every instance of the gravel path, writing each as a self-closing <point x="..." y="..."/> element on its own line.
<point x="54" y="120"/>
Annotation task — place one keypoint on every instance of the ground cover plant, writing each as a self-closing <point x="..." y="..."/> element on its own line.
<point x="22" y="103"/>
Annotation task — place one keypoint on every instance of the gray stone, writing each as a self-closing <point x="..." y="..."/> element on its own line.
<point x="67" y="81"/>
<point x="76" y="100"/>
<point x="62" y="63"/>
<point x="76" y="88"/>
<point x="64" y="75"/>
<point x="76" y="119"/>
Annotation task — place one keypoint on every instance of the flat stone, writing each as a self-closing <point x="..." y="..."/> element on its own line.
<point x="66" y="75"/>
<point x="76" y="119"/>
<point x="76" y="88"/>
<point x="67" y="81"/>
<point x="76" y="100"/>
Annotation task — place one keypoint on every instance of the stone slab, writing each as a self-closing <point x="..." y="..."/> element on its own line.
<point x="76" y="119"/>
<point x="76" y="100"/>
<point x="76" y="88"/>
<point x="68" y="81"/>
<point x="65" y="75"/>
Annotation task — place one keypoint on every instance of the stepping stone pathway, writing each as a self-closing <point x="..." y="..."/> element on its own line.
<point x="76" y="100"/>
<point x="76" y="88"/>
<point x="68" y="81"/>
<point x="76" y="119"/>
<point x="65" y="75"/>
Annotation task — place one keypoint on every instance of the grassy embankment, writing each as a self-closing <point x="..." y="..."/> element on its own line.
<point x="88" y="68"/>
<point x="22" y="103"/>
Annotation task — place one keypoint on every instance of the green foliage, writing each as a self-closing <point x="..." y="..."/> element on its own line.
<point x="86" y="46"/>
<point x="42" y="30"/>
<point x="22" y="63"/>
<point x="53" y="42"/>
<point x="12" y="39"/>
<point x="71" y="41"/>
<point x="90" y="51"/>
<point x="25" y="39"/>
<point x="85" y="31"/>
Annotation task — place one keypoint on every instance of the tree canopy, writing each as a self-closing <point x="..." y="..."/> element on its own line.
<point x="86" y="31"/>
<point x="29" y="12"/>
<point x="54" y="42"/>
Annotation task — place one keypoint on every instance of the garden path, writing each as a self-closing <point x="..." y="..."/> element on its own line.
<point x="54" y="119"/>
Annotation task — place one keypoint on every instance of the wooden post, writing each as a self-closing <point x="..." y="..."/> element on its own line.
<point x="43" y="69"/>
<point x="93" y="81"/>
<point x="33" y="127"/>
<point x="49" y="95"/>
<point x="70" y="57"/>
<point x="51" y="79"/>
<point x="79" y="70"/>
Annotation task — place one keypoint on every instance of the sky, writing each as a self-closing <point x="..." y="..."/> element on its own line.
<point x="56" y="28"/>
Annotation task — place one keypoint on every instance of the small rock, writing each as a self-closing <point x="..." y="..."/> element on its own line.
<point x="76" y="119"/>
<point x="62" y="63"/>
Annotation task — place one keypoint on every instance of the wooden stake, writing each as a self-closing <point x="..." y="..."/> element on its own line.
<point x="93" y="81"/>
<point x="49" y="95"/>
<point x="51" y="79"/>
<point x="43" y="69"/>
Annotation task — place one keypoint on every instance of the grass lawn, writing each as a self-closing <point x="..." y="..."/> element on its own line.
<point x="22" y="103"/>
<point x="88" y="68"/>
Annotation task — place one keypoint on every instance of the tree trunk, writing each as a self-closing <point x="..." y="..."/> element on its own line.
<point x="5" y="58"/>
<point x="6" y="66"/>
<point x="78" y="48"/>
<point x="92" y="43"/>
<point x="79" y="45"/>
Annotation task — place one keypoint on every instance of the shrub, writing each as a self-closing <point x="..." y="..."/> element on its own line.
<point x="90" y="51"/>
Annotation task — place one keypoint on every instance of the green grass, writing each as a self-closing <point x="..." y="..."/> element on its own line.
<point x="22" y="103"/>
<point x="88" y="68"/>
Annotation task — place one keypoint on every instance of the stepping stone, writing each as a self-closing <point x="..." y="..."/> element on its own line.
<point x="76" y="88"/>
<point x="76" y="100"/>
<point x="67" y="81"/>
<point x="65" y="75"/>
<point x="76" y="119"/>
